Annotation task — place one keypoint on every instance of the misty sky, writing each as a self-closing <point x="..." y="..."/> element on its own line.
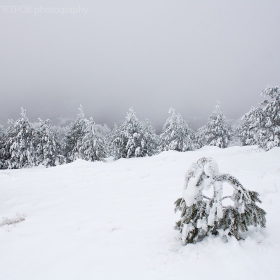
<point x="149" y="55"/>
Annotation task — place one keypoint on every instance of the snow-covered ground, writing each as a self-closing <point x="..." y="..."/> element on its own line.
<point x="115" y="220"/>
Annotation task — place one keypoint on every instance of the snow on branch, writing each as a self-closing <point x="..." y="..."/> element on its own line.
<point x="202" y="216"/>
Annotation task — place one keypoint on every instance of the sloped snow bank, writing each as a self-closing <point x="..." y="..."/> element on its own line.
<point x="115" y="220"/>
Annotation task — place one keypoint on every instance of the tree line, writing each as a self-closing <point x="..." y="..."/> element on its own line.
<point x="26" y="144"/>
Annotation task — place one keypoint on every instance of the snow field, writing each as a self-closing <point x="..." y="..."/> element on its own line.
<point x="115" y="220"/>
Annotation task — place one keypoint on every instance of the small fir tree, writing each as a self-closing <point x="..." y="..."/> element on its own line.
<point x="113" y="148"/>
<point x="19" y="144"/>
<point x="202" y="216"/>
<point x="126" y="137"/>
<point x="133" y="138"/>
<point x="149" y="140"/>
<point x="216" y="131"/>
<point x="48" y="146"/>
<point x="92" y="145"/>
<point x="247" y="131"/>
<point x="74" y="134"/>
<point x="176" y="134"/>
<point x="200" y="137"/>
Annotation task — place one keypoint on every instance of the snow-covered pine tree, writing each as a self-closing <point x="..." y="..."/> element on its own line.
<point x="176" y="134"/>
<point x="74" y="134"/>
<point x="92" y="145"/>
<point x="132" y="138"/>
<point x="105" y="132"/>
<point x="247" y="131"/>
<point x="48" y="146"/>
<point x="200" y="137"/>
<point x="111" y="147"/>
<point x="126" y="139"/>
<point x="269" y="126"/>
<point x="149" y="140"/>
<point x="20" y="143"/>
<point x="216" y="131"/>
<point x="202" y="216"/>
<point x="261" y="125"/>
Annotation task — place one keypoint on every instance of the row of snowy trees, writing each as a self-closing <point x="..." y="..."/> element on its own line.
<point x="25" y="144"/>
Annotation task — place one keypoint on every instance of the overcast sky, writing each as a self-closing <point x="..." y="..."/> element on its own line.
<point x="149" y="55"/>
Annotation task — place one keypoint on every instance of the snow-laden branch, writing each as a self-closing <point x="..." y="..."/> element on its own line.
<point x="202" y="215"/>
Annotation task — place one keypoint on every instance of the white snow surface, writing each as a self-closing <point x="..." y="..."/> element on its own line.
<point x="114" y="220"/>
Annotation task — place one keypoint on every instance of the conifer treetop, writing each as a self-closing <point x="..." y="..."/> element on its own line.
<point x="131" y="115"/>
<point x="23" y="113"/>
<point x="272" y="92"/>
<point x="81" y="112"/>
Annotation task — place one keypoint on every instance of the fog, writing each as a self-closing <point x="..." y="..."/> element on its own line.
<point x="109" y="56"/>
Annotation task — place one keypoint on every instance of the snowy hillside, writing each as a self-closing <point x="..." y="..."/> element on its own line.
<point x="115" y="220"/>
